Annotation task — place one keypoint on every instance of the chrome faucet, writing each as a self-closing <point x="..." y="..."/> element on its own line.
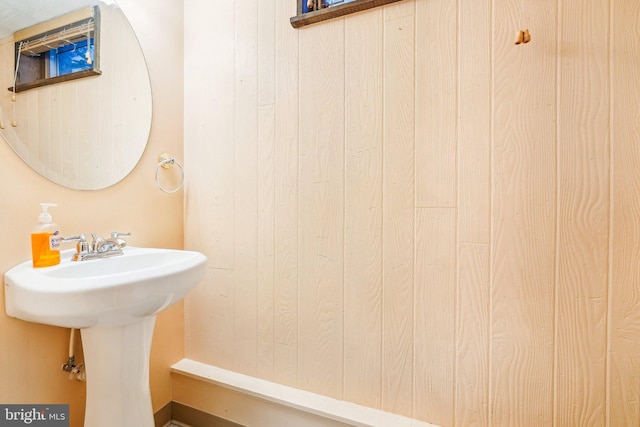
<point x="99" y="247"/>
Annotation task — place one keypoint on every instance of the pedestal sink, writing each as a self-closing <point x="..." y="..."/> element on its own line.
<point x="114" y="302"/>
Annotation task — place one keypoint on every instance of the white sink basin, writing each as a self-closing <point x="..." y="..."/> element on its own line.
<point x="113" y="301"/>
<point x="103" y="292"/>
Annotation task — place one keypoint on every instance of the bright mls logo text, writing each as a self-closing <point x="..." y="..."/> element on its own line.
<point x="36" y="415"/>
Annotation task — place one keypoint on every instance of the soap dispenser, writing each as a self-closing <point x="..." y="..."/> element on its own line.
<point x="45" y="239"/>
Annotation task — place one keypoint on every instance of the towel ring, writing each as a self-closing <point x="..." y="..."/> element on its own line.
<point x="165" y="163"/>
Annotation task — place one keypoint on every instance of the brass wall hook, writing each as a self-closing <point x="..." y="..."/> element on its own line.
<point x="520" y="37"/>
<point x="523" y="36"/>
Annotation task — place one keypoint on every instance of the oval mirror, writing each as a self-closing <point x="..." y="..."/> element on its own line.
<point x="88" y="133"/>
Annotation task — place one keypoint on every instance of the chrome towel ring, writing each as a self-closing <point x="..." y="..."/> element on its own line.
<point x="166" y="162"/>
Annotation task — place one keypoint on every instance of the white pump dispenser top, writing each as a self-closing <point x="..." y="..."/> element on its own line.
<point x="45" y="216"/>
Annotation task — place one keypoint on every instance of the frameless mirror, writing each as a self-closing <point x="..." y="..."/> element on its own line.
<point x="85" y="134"/>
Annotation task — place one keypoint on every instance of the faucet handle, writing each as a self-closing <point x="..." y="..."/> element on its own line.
<point x="78" y="238"/>
<point x="118" y="238"/>
<point x="82" y="247"/>
<point x="116" y="234"/>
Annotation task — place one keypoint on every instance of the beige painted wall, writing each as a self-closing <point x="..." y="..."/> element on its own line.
<point x="30" y="354"/>
<point x="405" y="210"/>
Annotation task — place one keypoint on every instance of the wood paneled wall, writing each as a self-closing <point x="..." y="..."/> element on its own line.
<point x="405" y="210"/>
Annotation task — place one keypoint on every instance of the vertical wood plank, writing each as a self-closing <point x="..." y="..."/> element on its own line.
<point x="43" y="137"/>
<point x="471" y="386"/>
<point x="474" y="125"/>
<point x="106" y="112"/>
<point x="523" y="216"/>
<point x="266" y="189"/>
<point x="115" y="33"/>
<point x="209" y="327"/>
<point x="321" y="233"/>
<point x="65" y="151"/>
<point x="401" y="9"/>
<point x="266" y="242"/>
<point x="266" y="52"/>
<point x="363" y="208"/>
<point x="209" y="128"/>
<point x="6" y="80"/>
<point x="436" y="107"/>
<point x="472" y="335"/>
<point x="398" y="211"/>
<point x="624" y="315"/>
<point x="286" y="196"/>
<point x="583" y="213"/>
<point x="435" y="308"/>
<point x="246" y="185"/>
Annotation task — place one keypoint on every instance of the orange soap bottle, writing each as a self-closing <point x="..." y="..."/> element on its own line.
<point x="45" y="240"/>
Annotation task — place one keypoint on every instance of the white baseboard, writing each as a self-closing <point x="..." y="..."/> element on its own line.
<point x="300" y="400"/>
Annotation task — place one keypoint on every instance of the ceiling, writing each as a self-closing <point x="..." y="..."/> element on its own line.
<point x="18" y="14"/>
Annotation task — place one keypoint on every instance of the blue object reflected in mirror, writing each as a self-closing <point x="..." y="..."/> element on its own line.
<point x="71" y="58"/>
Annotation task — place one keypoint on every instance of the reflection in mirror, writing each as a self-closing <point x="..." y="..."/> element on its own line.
<point x="85" y="134"/>
<point x="58" y="50"/>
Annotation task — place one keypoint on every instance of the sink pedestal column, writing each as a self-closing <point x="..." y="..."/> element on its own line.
<point x="117" y="367"/>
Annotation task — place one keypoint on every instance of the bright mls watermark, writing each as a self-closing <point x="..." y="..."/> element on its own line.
<point x="34" y="415"/>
